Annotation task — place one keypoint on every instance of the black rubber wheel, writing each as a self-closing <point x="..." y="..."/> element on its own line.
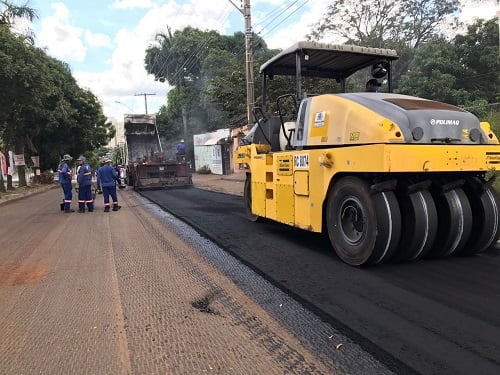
<point x="247" y="198"/>
<point x="485" y="220"/>
<point x="454" y="223"/>
<point x="130" y="181"/>
<point x="364" y="228"/>
<point x="419" y="220"/>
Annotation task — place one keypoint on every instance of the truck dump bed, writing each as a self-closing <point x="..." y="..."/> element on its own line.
<point x="147" y="167"/>
<point x="141" y="136"/>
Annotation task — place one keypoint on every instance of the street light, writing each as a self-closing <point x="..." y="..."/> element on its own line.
<point x="126" y="106"/>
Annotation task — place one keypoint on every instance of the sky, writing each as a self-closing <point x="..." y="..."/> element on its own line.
<point x="104" y="41"/>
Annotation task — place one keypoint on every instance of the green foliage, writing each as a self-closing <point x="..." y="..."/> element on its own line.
<point x="9" y="12"/>
<point x="493" y="117"/>
<point x="384" y="23"/>
<point x="478" y="52"/>
<point x="207" y="71"/>
<point x="432" y="72"/>
<point x="205" y="169"/>
<point x="462" y="72"/>
<point x="168" y="119"/>
<point x="42" y="109"/>
<point x="178" y="59"/>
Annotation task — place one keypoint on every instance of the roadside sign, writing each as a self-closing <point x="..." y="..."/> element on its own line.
<point x="19" y="160"/>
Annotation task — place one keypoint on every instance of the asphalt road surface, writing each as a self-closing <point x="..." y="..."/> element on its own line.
<point x="426" y="317"/>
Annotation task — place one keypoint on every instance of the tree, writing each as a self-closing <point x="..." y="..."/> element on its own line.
<point x="432" y="73"/>
<point x="42" y="109"/>
<point x="401" y="25"/>
<point x="10" y="12"/>
<point x="462" y="72"/>
<point x="19" y="80"/>
<point x="192" y="61"/>
<point x="478" y="53"/>
<point x="177" y="58"/>
<point x="385" y="23"/>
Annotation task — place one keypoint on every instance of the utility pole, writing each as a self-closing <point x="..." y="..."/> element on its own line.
<point x="145" y="100"/>
<point x="248" y="57"/>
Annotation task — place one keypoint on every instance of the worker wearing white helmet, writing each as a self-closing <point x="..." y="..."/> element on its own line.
<point x="181" y="149"/>
<point x="106" y="179"/>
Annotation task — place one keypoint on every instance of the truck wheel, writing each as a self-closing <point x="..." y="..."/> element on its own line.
<point x="485" y="223"/>
<point x="247" y="197"/>
<point x="419" y="225"/>
<point x="364" y="228"/>
<point x="454" y="222"/>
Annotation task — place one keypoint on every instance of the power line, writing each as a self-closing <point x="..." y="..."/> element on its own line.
<point x="287" y="17"/>
<point x="277" y="16"/>
<point x="145" y="100"/>
<point x="191" y="60"/>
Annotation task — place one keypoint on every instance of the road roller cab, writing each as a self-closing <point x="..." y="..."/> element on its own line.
<point x="387" y="176"/>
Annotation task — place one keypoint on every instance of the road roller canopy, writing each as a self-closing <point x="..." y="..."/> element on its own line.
<point x="337" y="61"/>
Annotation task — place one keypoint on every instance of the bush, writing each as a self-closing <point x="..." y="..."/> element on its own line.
<point x="46" y="177"/>
<point x="204" y="170"/>
<point x="494" y="119"/>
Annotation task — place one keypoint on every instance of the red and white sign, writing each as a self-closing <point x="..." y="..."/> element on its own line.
<point x="19" y="160"/>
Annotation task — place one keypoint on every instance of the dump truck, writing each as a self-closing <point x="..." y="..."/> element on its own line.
<point x="388" y="177"/>
<point x="147" y="165"/>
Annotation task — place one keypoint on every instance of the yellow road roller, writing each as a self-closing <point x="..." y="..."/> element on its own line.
<point x="386" y="176"/>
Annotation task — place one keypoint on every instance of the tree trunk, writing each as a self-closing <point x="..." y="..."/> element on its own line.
<point x="9" y="182"/>
<point x="9" y="176"/>
<point x="21" y="172"/>
<point x="21" y="169"/>
<point x="2" y="186"/>
<point x="3" y="163"/>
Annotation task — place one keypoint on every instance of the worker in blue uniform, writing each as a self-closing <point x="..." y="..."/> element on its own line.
<point x="180" y="151"/>
<point x="65" y="176"/>
<point x="84" y="179"/>
<point x="106" y="179"/>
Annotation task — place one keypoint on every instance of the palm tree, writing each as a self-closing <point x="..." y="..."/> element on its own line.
<point x="9" y="12"/>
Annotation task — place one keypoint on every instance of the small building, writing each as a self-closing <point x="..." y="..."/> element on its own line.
<point x="209" y="151"/>
<point x="214" y="150"/>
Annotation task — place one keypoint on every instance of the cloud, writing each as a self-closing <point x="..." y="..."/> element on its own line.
<point x="283" y="37"/>
<point x="206" y="15"/>
<point x="132" y="4"/>
<point x="61" y="39"/>
<point x="127" y="76"/>
<point x="473" y="10"/>
<point x="124" y="47"/>
<point x="97" y="39"/>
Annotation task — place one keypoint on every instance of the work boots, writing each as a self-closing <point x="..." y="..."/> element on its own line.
<point x="115" y="208"/>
